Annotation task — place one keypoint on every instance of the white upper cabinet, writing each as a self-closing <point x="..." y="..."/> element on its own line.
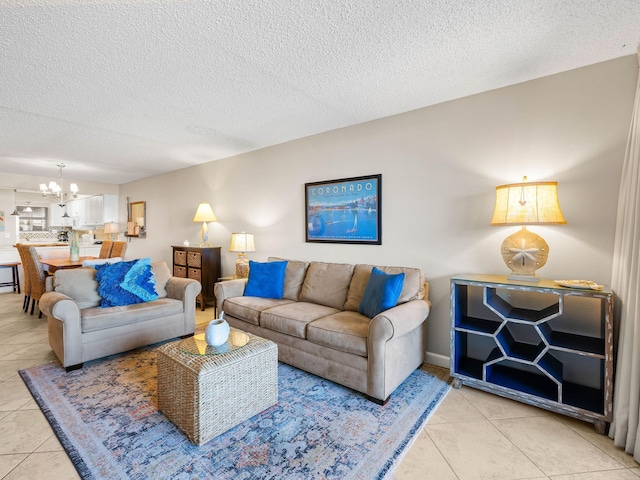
<point x="96" y="210"/>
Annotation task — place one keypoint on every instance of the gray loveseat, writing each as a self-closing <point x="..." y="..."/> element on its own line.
<point x="80" y="331"/>
<point x="317" y="327"/>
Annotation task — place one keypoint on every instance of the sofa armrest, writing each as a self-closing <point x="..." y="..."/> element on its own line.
<point x="59" y="306"/>
<point x="396" y="346"/>
<point x="184" y="289"/>
<point x="398" y="320"/>
<point x="228" y="289"/>
<point x="65" y="328"/>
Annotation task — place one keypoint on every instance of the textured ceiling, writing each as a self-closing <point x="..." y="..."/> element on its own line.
<point x="120" y="90"/>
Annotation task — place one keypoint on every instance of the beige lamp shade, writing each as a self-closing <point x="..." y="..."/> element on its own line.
<point x="527" y="204"/>
<point x="242" y="243"/>
<point x="112" y="229"/>
<point x="524" y="204"/>
<point x="205" y="214"/>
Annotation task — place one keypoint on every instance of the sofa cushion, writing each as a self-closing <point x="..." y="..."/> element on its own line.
<point x="293" y="277"/>
<point x="250" y="308"/>
<point x="102" y="318"/>
<point x="79" y="284"/>
<point x="381" y="293"/>
<point x="163" y="274"/>
<point x="266" y="279"/>
<point x="327" y="284"/>
<point x="292" y="319"/>
<point x="126" y="283"/>
<point x="412" y="289"/>
<point x="344" y="331"/>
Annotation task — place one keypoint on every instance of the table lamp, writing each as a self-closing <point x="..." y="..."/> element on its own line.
<point x="111" y="228"/>
<point x="242" y="243"/>
<point x="524" y="204"/>
<point x="205" y="214"/>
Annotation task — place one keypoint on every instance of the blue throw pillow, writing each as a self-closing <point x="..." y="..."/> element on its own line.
<point x="126" y="283"/>
<point x="381" y="293"/>
<point x="266" y="279"/>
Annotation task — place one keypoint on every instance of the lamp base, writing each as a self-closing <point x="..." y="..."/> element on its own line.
<point x="523" y="278"/>
<point x="242" y="266"/>
<point x="524" y="252"/>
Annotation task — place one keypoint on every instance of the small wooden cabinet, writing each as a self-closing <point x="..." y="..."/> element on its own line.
<point x="538" y="343"/>
<point x="199" y="263"/>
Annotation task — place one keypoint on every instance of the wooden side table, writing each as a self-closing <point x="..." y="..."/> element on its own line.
<point x="202" y="264"/>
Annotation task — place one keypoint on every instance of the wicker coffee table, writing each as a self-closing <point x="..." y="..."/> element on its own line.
<point x="206" y="390"/>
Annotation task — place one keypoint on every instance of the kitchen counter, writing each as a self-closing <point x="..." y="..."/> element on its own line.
<point x="46" y="244"/>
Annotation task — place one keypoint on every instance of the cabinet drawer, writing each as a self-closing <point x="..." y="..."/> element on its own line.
<point x="194" y="259"/>
<point x="180" y="257"/>
<point x="179" y="271"/>
<point x="195" y="273"/>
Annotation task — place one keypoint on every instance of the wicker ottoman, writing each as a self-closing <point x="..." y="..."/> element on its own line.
<point x="206" y="395"/>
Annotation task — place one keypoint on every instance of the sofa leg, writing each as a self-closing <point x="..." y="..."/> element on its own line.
<point x="73" y="367"/>
<point x="378" y="401"/>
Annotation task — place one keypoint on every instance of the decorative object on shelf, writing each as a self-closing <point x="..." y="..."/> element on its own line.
<point x="74" y="249"/>
<point x="582" y="284"/>
<point x="56" y="191"/>
<point x="205" y="214"/>
<point x="347" y="210"/>
<point x="112" y="229"/>
<point x="217" y="332"/>
<point x="242" y="243"/>
<point x="186" y="243"/>
<point x="524" y="204"/>
<point x="15" y="207"/>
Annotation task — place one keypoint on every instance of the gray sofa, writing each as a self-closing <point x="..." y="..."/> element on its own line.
<point x="80" y="331"/>
<point x="317" y="327"/>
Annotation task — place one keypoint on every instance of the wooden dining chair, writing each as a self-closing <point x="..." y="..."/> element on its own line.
<point x="118" y="250"/>
<point x="23" y="252"/>
<point x="105" y="250"/>
<point x="37" y="278"/>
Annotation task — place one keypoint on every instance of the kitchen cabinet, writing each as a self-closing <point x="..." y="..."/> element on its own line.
<point x="95" y="210"/>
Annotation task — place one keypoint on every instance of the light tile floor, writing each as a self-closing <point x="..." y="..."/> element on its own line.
<point x="472" y="435"/>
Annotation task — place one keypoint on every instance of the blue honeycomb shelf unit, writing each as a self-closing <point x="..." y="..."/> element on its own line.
<point x="537" y="343"/>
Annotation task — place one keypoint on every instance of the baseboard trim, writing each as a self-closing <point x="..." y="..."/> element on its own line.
<point x="437" y="359"/>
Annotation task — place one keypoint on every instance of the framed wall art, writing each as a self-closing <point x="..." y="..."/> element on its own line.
<point x="347" y="210"/>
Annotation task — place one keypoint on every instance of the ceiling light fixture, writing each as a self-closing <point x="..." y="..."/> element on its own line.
<point x="56" y="191"/>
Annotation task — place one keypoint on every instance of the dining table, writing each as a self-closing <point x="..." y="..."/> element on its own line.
<point x="50" y="265"/>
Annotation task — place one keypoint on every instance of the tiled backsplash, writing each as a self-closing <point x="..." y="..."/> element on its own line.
<point x="38" y="236"/>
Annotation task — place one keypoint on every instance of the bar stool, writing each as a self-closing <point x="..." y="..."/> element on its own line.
<point x="15" y="283"/>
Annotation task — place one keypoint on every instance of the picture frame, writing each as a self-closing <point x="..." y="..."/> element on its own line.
<point x="346" y="210"/>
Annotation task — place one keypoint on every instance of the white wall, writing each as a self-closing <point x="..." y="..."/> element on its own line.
<point x="440" y="166"/>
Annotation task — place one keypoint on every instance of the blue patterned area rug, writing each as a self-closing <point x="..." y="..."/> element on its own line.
<point x="107" y="419"/>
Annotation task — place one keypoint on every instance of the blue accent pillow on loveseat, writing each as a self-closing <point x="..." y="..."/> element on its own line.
<point x="126" y="283"/>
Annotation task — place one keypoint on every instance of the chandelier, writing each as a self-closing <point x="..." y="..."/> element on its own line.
<point x="56" y="191"/>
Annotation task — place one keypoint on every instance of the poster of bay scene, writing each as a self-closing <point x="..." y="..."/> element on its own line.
<point x="344" y="211"/>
